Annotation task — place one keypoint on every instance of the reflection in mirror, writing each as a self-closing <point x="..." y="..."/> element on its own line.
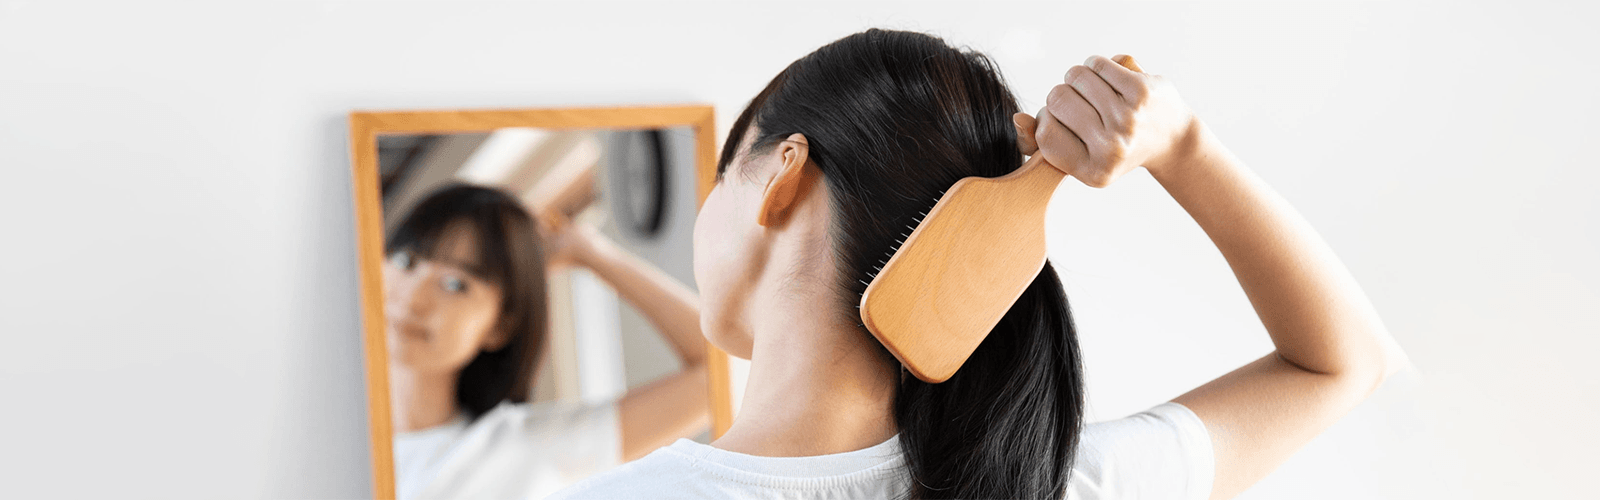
<point x="538" y="325"/>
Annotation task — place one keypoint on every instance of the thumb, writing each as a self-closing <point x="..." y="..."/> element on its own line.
<point x="549" y="222"/>
<point x="1025" y="127"/>
<point x="1127" y="62"/>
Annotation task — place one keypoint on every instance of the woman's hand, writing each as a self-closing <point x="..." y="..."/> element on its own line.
<point x="1107" y="118"/>
<point x="567" y="242"/>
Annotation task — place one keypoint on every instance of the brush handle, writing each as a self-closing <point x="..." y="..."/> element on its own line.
<point x="1035" y="180"/>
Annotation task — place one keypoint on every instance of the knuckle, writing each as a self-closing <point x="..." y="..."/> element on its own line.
<point x="1116" y="120"/>
<point x="1129" y="123"/>
<point x="1048" y="134"/>
<point x="1096" y="63"/>
<point x="1116" y="152"/>
<point x="1096" y="179"/>
<point x="1076" y="72"/>
<point x="1056" y="94"/>
<point x="1139" y="97"/>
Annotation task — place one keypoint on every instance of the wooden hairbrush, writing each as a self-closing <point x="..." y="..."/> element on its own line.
<point x="962" y="267"/>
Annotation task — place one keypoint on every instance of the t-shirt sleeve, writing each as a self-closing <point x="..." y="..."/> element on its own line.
<point x="520" y="450"/>
<point x="1160" y="453"/>
<point x="578" y="439"/>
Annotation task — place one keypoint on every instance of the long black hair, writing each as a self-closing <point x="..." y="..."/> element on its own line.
<point x="893" y="119"/>
<point x="509" y="256"/>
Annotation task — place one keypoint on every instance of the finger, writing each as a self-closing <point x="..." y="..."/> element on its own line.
<point x="1128" y="83"/>
<point x="1074" y="111"/>
<point x="553" y="222"/>
<point x="1094" y="89"/>
<point x="1025" y="128"/>
<point x="1127" y="61"/>
<point x="546" y="226"/>
<point x="1058" y="144"/>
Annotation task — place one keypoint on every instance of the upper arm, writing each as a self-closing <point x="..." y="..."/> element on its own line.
<point x="1260" y="414"/>
<point x="656" y="414"/>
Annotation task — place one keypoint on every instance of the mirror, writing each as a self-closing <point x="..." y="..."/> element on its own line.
<point x="527" y="294"/>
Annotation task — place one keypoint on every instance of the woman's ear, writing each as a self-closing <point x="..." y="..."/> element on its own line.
<point x="783" y="191"/>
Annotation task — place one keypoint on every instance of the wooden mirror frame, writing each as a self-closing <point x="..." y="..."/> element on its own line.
<point x="366" y="126"/>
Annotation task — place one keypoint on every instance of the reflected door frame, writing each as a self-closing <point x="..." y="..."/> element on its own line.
<point x="366" y="126"/>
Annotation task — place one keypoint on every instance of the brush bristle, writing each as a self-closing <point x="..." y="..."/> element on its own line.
<point x="922" y="215"/>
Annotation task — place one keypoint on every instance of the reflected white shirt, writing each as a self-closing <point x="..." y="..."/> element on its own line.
<point x="513" y="451"/>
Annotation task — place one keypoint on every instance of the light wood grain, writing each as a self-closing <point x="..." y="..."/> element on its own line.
<point x="366" y="126"/>
<point x="369" y="258"/>
<point x="959" y="272"/>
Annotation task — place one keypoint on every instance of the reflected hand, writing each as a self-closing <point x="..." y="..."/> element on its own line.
<point x="566" y="242"/>
<point x="1106" y="118"/>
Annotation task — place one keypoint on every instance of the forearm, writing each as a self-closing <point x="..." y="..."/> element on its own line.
<point x="673" y="308"/>
<point x="1311" y="306"/>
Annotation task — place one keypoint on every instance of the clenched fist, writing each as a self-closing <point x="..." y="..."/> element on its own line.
<point x="1107" y="118"/>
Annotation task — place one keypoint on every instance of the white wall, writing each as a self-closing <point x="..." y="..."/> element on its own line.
<point x="178" y="283"/>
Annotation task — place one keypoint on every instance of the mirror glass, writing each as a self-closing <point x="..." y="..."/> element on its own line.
<point x="510" y="346"/>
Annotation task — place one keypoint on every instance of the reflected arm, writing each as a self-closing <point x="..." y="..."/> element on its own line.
<point x="676" y="405"/>
<point x="673" y="308"/>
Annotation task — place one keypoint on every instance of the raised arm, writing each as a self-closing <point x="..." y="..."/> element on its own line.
<point x="676" y="405"/>
<point x="1332" y="350"/>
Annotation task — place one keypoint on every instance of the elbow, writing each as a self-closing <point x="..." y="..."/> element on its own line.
<point x="1394" y="359"/>
<point x="1389" y="360"/>
<point x="1368" y="371"/>
<point x="695" y="357"/>
<point x="700" y="370"/>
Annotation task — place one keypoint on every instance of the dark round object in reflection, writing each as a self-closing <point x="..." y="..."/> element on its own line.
<point x="638" y="176"/>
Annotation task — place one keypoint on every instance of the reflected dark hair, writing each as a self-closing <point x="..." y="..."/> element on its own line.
<point x="892" y="120"/>
<point x="509" y="255"/>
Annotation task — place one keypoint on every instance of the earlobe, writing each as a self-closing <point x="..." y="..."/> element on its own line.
<point x="784" y="189"/>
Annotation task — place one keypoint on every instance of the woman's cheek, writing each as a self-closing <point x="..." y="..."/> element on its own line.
<point x="712" y="262"/>
<point x="698" y="248"/>
<point x="455" y="343"/>
<point x="709" y="245"/>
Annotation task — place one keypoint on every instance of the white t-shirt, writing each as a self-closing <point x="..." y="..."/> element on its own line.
<point x="1160" y="453"/>
<point x="513" y="451"/>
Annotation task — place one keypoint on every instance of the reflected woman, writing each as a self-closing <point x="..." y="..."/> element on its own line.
<point x="465" y="305"/>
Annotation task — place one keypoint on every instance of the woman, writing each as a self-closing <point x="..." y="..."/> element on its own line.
<point x="847" y="145"/>
<point x="465" y="303"/>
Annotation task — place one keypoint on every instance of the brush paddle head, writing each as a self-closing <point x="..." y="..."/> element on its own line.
<point x="960" y="269"/>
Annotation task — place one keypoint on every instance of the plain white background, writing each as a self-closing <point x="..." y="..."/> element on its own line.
<point x="178" y="291"/>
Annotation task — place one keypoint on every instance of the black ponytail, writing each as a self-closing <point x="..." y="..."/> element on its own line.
<point x="893" y="119"/>
<point x="1006" y="425"/>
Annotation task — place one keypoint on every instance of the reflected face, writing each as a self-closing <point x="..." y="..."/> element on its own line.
<point x="729" y="254"/>
<point x="438" y="314"/>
